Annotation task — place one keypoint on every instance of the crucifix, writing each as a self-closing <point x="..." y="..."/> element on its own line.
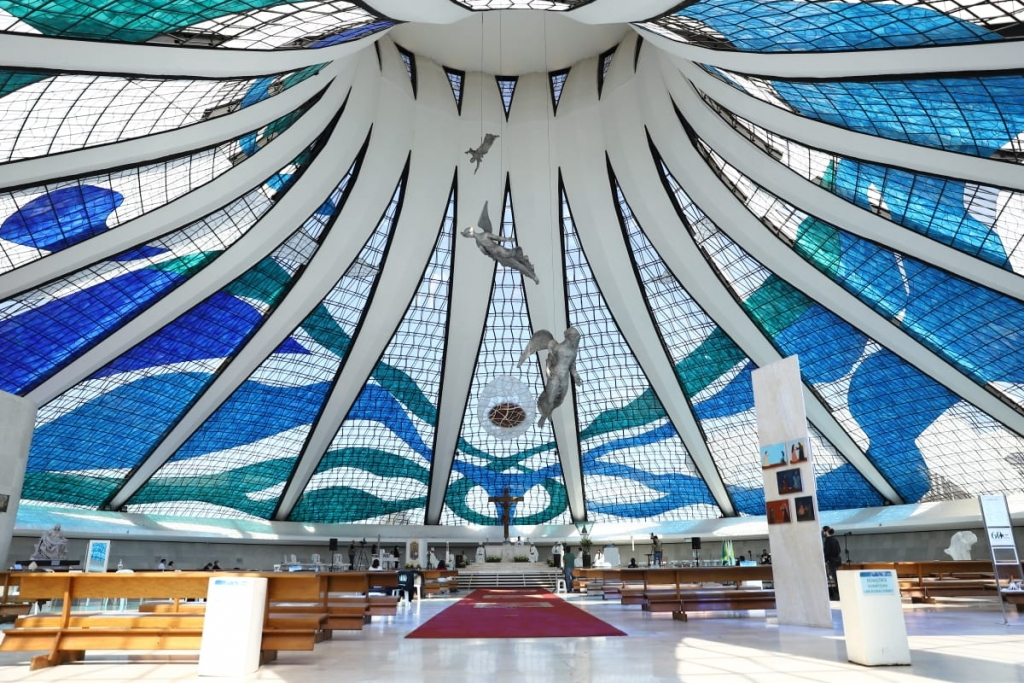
<point x="505" y="501"/>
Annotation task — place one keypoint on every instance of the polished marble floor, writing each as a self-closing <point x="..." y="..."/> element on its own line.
<point x="958" y="641"/>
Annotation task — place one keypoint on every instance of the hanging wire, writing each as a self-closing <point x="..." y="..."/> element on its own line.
<point x="481" y="72"/>
<point x="502" y="122"/>
<point x="555" y="226"/>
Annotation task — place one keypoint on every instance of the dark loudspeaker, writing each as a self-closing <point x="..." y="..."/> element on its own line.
<point x="695" y="543"/>
<point x="334" y="544"/>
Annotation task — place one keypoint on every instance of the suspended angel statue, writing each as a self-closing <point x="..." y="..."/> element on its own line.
<point x="477" y="155"/>
<point x="490" y="244"/>
<point x="559" y="368"/>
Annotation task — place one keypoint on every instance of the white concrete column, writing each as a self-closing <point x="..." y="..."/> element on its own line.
<point x="17" y="422"/>
<point x="798" y="562"/>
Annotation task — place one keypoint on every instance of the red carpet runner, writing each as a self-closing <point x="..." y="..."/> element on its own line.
<point x="513" y="613"/>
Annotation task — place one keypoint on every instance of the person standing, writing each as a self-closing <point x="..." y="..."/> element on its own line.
<point x="556" y="555"/>
<point x="833" y="559"/>
<point x="569" y="560"/>
<point x="656" y="547"/>
<point x="352" y="555"/>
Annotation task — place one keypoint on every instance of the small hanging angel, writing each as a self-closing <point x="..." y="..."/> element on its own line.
<point x="491" y="245"/>
<point x="477" y="155"/>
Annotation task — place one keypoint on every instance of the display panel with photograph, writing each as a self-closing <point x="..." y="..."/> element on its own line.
<point x="797" y="451"/>
<point x="773" y="455"/>
<point x="778" y="512"/>
<point x="804" y="508"/>
<point x="789" y="481"/>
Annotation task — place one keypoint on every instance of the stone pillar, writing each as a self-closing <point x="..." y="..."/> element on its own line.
<point x="794" y="529"/>
<point x="17" y="422"/>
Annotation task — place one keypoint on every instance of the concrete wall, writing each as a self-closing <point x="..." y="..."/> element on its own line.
<point x="912" y="546"/>
<point x="147" y="554"/>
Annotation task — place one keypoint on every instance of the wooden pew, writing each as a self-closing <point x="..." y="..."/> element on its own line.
<point x="294" y="617"/>
<point x="611" y="584"/>
<point x="691" y="591"/>
<point x="439" y="581"/>
<point x="66" y="636"/>
<point x="12" y="606"/>
<point x="923" y="582"/>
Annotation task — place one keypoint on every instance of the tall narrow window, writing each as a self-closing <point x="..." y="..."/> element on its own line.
<point x="455" y="79"/>
<point x="557" y="80"/>
<point x="507" y="87"/>
<point x="603" y="66"/>
<point x="410" y="66"/>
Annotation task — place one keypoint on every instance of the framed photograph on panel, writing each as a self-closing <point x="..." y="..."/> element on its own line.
<point x="804" y="508"/>
<point x="778" y="512"/>
<point x="773" y="455"/>
<point x="797" y="451"/>
<point x="789" y="481"/>
<point x="96" y="556"/>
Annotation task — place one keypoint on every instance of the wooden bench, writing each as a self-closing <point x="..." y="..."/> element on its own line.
<point x="611" y="584"/>
<point x="923" y="582"/>
<point x="1015" y="598"/>
<point x="439" y="581"/>
<point x="66" y="636"/>
<point x="636" y="586"/>
<point x="709" y="600"/>
<point x="12" y="606"/>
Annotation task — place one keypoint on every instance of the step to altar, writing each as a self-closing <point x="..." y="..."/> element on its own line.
<point x="507" y="567"/>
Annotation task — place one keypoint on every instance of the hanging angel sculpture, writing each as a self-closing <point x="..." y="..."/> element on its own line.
<point x="559" y="369"/>
<point x="477" y="155"/>
<point x="490" y="244"/>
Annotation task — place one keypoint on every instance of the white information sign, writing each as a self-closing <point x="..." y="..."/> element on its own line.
<point x="1000" y="536"/>
<point x="233" y="626"/>
<point x="995" y="512"/>
<point x="878" y="583"/>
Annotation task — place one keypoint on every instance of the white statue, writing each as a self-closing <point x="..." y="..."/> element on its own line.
<point x="960" y="545"/>
<point x="534" y="555"/>
<point x="477" y="155"/>
<point x="559" y="369"/>
<point x="52" y="546"/>
<point x="490" y="244"/>
<point x="432" y="560"/>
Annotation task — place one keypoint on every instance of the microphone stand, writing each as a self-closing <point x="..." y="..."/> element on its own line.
<point x="846" y="549"/>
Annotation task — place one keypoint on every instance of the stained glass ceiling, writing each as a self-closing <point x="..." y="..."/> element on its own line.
<point x="241" y="286"/>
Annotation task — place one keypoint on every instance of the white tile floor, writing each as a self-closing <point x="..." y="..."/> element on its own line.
<point x="958" y="641"/>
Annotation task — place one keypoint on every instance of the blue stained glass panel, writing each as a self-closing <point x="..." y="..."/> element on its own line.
<point x="911" y="428"/>
<point x="237" y="462"/>
<point x="976" y="115"/>
<point x="238" y="24"/>
<point x="44" y="219"/>
<point x="798" y="26"/>
<point x="983" y="221"/>
<point x="98" y="430"/>
<point x="486" y="463"/>
<point x="46" y="328"/>
<point x="970" y="326"/>
<point x="635" y="465"/>
<point x="715" y="376"/>
<point x="377" y="468"/>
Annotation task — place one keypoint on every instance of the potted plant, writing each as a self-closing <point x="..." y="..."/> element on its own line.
<point x="585" y="545"/>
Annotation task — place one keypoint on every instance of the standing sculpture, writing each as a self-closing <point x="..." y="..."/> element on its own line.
<point x="559" y="369"/>
<point x="477" y="155"/>
<point x="491" y="245"/>
<point x="960" y="545"/>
